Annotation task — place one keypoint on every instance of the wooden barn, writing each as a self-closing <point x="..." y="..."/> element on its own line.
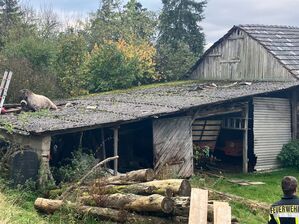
<point x="241" y="102"/>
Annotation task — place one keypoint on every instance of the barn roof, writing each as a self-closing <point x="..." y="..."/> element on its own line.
<point x="280" y="41"/>
<point x="114" y="108"/>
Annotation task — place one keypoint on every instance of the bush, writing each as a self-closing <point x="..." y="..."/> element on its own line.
<point x="76" y="167"/>
<point x="289" y="155"/>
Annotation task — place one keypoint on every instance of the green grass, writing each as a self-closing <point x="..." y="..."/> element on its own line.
<point x="268" y="193"/>
<point x="17" y="207"/>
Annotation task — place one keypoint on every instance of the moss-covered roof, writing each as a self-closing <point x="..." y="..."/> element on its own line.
<point x="114" y="108"/>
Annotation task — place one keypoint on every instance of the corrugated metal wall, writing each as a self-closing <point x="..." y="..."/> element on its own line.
<point x="173" y="148"/>
<point x="271" y="128"/>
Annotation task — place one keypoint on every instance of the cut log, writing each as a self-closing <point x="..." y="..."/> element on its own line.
<point x="103" y="213"/>
<point x="137" y="176"/>
<point x="140" y="189"/>
<point x="121" y="215"/>
<point x="47" y="206"/>
<point x="179" y="187"/>
<point x="152" y="203"/>
<point x="181" y="206"/>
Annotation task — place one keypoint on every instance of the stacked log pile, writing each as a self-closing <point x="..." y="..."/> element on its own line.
<point x="132" y="197"/>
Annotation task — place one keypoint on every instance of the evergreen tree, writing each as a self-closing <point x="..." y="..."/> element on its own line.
<point x="181" y="40"/>
<point x="10" y="17"/>
<point x="10" y="13"/>
<point x="138" y="21"/>
<point x="179" y="23"/>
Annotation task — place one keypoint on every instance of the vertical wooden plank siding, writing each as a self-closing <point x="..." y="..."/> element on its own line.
<point x="245" y="141"/>
<point x="222" y="213"/>
<point x="271" y="129"/>
<point x="115" y="150"/>
<point x="198" y="213"/>
<point x="173" y="147"/>
<point x="239" y="57"/>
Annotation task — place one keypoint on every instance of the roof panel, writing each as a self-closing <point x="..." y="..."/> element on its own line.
<point x="129" y="105"/>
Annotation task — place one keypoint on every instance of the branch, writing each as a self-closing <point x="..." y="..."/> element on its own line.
<point x="66" y="192"/>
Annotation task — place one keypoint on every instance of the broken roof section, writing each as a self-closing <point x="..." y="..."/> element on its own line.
<point x="118" y="107"/>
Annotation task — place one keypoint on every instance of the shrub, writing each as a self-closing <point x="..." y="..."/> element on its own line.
<point x="289" y="155"/>
<point x="75" y="167"/>
<point x="201" y="155"/>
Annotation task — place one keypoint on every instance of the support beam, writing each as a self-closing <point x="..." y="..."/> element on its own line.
<point x="245" y="140"/>
<point x="103" y="143"/>
<point x="219" y="110"/>
<point x="294" y="114"/>
<point x="115" y="150"/>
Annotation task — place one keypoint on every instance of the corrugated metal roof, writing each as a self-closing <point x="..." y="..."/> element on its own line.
<point x="281" y="41"/>
<point x="135" y="104"/>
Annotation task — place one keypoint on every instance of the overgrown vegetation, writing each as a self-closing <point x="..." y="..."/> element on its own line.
<point x="289" y="155"/>
<point x="121" y="45"/>
<point x="72" y="169"/>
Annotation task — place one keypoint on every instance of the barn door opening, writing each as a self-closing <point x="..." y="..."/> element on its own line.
<point x="223" y="133"/>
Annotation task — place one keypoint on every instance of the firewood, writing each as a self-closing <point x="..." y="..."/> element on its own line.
<point x="179" y="187"/>
<point x="132" y="177"/>
<point x="47" y="205"/>
<point x="123" y="216"/>
<point x="152" y="203"/>
<point x="139" y="189"/>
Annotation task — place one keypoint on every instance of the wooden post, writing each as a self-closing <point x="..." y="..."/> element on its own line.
<point x="115" y="150"/>
<point x="294" y="114"/>
<point x="198" y="213"/>
<point x="103" y="143"/>
<point x="245" y="141"/>
<point x="222" y="213"/>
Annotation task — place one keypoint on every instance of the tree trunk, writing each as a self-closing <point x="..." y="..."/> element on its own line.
<point x="132" y="177"/>
<point x="181" y="206"/>
<point x="122" y="216"/>
<point x="179" y="187"/>
<point x="140" y="189"/>
<point x="47" y="206"/>
<point x="152" y="203"/>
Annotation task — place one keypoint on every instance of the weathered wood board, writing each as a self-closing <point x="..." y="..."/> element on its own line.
<point x="198" y="213"/>
<point x="173" y="148"/>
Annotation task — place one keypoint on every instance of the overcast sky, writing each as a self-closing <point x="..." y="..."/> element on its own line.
<point x="220" y="15"/>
